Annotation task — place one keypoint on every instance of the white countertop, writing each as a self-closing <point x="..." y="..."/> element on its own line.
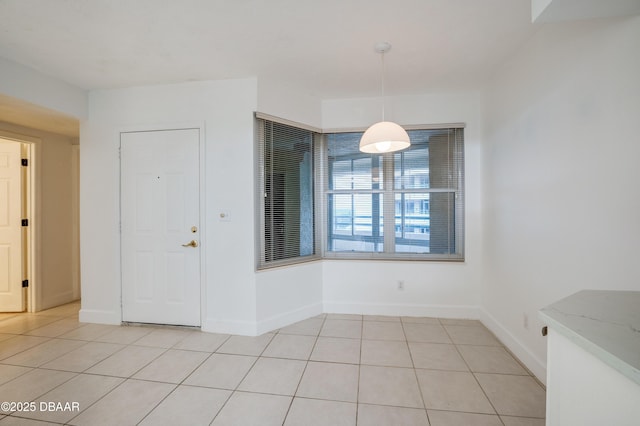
<point x="604" y="323"/>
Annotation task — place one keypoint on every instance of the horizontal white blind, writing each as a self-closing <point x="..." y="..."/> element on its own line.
<point x="408" y="203"/>
<point x="286" y="192"/>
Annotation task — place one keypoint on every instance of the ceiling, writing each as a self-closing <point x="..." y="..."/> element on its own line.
<point x="321" y="48"/>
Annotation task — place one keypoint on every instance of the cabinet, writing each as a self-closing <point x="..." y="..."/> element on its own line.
<point x="593" y="359"/>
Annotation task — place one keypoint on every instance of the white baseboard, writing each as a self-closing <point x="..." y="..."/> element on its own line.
<point x="408" y="310"/>
<point x="250" y="328"/>
<point x="532" y="362"/>
<point x="287" y="318"/>
<point x="60" y="299"/>
<point x="100" y="317"/>
<point x="241" y="328"/>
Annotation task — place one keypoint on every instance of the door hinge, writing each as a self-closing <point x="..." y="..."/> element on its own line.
<point x="24" y="162"/>
<point x="25" y="283"/>
<point x="25" y="222"/>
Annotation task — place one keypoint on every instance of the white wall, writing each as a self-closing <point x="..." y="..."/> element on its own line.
<point x="293" y="103"/>
<point x="560" y="171"/>
<point x="32" y="86"/>
<point x="56" y="220"/>
<point x="446" y="289"/>
<point x="288" y="294"/>
<point x="225" y="109"/>
<point x="53" y="212"/>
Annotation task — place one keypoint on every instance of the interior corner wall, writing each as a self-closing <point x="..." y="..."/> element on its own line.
<point x="225" y="109"/>
<point x="444" y="289"/>
<point x="281" y="100"/>
<point x="288" y="294"/>
<point x="560" y="172"/>
<point x="54" y="224"/>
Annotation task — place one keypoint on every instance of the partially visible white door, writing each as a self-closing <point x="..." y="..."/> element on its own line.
<point x="160" y="214"/>
<point x="11" y="294"/>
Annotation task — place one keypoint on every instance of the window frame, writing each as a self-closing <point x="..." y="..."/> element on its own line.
<point x="389" y="216"/>
<point x="260" y="184"/>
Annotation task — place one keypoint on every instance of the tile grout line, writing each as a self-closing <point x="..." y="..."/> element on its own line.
<point x="261" y="355"/>
<point x="34" y="369"/>
<point x="184" y="378"/>
<point x="235" y="389"/>
<point x="415" y="372"/>
<point x="303" y="371"/>
<point x="359" y="370"/>
<point x="473" y="375"/>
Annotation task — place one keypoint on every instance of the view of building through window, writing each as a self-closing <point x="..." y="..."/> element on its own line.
<point x="402" y="193"/>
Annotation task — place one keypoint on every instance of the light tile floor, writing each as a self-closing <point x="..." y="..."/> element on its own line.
<point x="328" y="370"/>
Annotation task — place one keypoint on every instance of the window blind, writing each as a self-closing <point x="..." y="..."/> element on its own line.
<point x="286" y="193"/>
<point x="408" y="204"/>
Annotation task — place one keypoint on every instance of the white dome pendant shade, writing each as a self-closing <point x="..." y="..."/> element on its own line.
<point x="384" y="136"/>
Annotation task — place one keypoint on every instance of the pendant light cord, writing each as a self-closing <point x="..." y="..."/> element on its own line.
<point x="382" y="82"/>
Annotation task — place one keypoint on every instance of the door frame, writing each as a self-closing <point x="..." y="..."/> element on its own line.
<point x="202" y="201"/>
<point x="75" y="211"/>
<point x="33" y="186"/>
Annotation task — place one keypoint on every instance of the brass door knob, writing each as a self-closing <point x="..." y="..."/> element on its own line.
<point x="192" y="243"/>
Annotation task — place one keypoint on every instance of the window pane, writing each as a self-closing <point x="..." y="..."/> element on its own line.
<point x="348" y="167"/>
<point x="355" y="222"/>
<point x="341" y="214"/>
<point x="411" y="168"/>
<point x="362" y="178"/>
<point x="287" y="158"/>
<point x="442" y="159"/>
<point x="341" y="175"/>
<point x="362" y="214"/>
<point x="412" y="223"/>
<point x="442" y="206"/>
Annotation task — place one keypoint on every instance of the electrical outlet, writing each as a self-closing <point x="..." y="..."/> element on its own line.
<point x="525" y="321"/>
<point x="400" y="285"/>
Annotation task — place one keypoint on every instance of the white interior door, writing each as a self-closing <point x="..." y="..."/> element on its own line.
<point x="160" y="214"/>
<point x="11" y="294"/>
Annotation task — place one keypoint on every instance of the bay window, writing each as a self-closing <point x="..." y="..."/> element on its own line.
<point x="319" y="196"/>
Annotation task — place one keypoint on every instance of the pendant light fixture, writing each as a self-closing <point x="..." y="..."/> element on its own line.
<point x="385" y="136"/>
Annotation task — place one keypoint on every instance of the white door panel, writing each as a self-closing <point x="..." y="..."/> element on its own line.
<point x="11" y="294"/>
<point x="160" y="206"/>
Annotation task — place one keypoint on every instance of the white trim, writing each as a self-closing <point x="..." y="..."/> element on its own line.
<point x="433" y="126"/>
<point x="100" y="317"/>
<point x="287" y="318"/>
<point x="286" y="122"/>
<point x="251" y="328"/>
<point x="531" y="361"/>
<point x="241" y="328"/>
<point x="33" y="214"/>
<point x="203" y="221"/>
<point x="409" y="310"/>
<point x="75" y="205"/>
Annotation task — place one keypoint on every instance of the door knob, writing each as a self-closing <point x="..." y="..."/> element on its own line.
<point x="192" y="243"/>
